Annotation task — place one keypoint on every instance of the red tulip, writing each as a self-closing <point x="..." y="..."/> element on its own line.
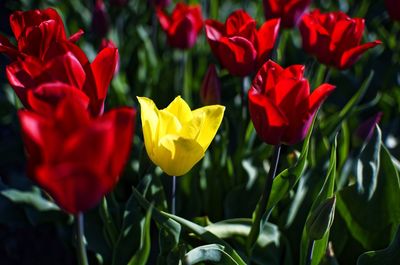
<point x="280" y="103"/>
<point x="46" y="82"/>
<point x="75" y="158"/>
<point x="289" y="11"/>
<point x="210" y="91"/>
<point x="35" y="31"/>
<point x="238" y="45"/>
<point x="183" y="26"/>
<point x="334" y="38"/>
<point x="110" y="44"/>
<point x="393" y="8"/>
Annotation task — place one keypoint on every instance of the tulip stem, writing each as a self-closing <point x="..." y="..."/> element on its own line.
<point x="80" y="248"/>
<point x="310" y="250"/>
<point x="173" y="195"/>
<point x="243" y="96"/>
<point x="263" y="203"/>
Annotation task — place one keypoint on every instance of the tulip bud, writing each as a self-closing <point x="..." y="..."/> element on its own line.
<point x="210" y="92"/>
<point x="161" y="3"/>
<point x="321" y="219"/>
<point x="100" y="19"/>
<point x="366" y="129"/>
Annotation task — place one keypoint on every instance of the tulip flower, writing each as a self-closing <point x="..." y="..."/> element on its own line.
<point x="35" y="31"/>
<point x="40" y="83"/>
<point x="183" y="26"/>
<point x="176" y="138"/>
<point x="105" y="43"/>
<point x="238" y="45"/>
<point x="281" y="106"/>
<point x="289" y="11"/>
<point x="393" y="8"/>
<point x="75" y="158"/>
<point x="334" y="38"/>
<point x="210" y="91"/>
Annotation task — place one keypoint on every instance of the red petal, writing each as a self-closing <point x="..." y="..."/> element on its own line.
<point x="76" y="36"/>
<point x="351" y="56"/>
<point x="238" y="55"/>
<point x="269" y="122"/>
<point x="267" y="35"/>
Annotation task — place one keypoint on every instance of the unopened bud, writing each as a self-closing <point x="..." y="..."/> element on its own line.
<point x="366" y="129"/>
<point x="161" y="3"/>
<point x="321" y="219"/>
<point x="100" y="19"/>
<point x="210" y="92"/>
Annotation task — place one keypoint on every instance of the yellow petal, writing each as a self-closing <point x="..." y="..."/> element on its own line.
<point x="180" y="109"/>
<point x="168" y="124"/>
<point x="209" y="119"/>
<point x="176" y="155"/>
<point x="150" y="120"/>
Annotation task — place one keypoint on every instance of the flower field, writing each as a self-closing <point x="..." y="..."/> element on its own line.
<point x="200" y="132"/>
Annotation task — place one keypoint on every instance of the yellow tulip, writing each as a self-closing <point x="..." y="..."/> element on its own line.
<point x="176" y="137"/>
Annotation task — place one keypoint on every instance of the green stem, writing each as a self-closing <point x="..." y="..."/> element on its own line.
<point x="173" y="195"/>
<point x="80" y="248"/>
<point x="310" y="250"/>
<point x="263" y="203"/>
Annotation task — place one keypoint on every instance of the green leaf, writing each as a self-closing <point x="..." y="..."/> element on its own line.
<point x="325" y="193"/>
<point x="331" y="126"/>
<point x="375" y="230"/>
<point x="142" y="254"/>
<point x="387" y="256"/>
<point x="213" y="253"/>
<point x="368" y="164"/>
<point x="167" y="220"/>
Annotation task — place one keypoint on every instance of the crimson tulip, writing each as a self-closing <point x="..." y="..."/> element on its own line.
<point x="75" y="158"/>
<point x="334" y="38"/>
<point x="183" y="26"/>
<point x="281" y="106"/>
<point x="35" y="31"/>
<point x="393" y="8"/>
<point x="161" y="3"/>
<point x="238" y="45"/>
<point x="289" y="11"/>
<point x="39" y="84"/>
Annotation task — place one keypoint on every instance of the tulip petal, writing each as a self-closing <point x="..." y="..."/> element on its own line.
<point x="150" y="120"/>
<point x="103" y="68"/>
<point x="267" y="35"/>
<point x="238" y="55"/>
<point x="269" y="122"/>
<point x="177" y="155"/>
<point x="207" y="120"/>
<point x="351" y="56"/>
<point x="76" y="36"/>
<point x="8" y="48"/>
<point x="180" y="109"/>
<point x="73" y="187"/>
<point x="46" y="97"/>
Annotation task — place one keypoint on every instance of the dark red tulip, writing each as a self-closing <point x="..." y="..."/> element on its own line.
<point x="77" y="159"/>
<point x="334" y="38"/>
<point x="281" y="106"/>
<point x="238" y="45"/>
<point x="210" y="91"/>
<point x="366" y="129"/>
<point x="35" y="31"/>
<point x="161" y="3"/>
<point x="100" y="20"/>
<point x="183" y="26"/>
<point x="68" y="68"/>
<point x="289" y="11"/>
<point x="393" y="8"/>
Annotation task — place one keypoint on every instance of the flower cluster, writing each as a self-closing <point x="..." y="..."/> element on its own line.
<point x="74" y="151"/>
